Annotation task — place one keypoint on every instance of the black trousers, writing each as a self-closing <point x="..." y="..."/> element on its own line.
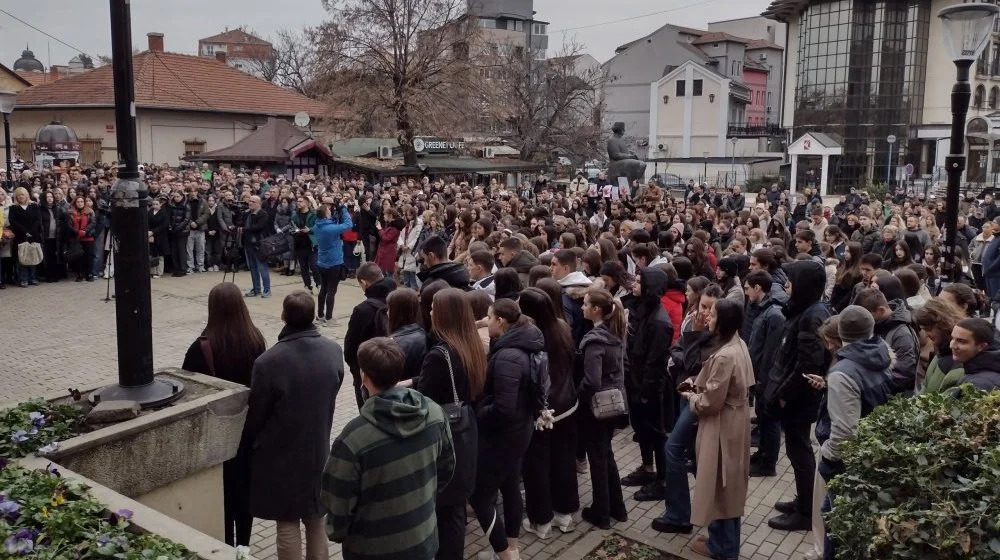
<point x="213" y="248"/>
<point x="236" y="499"/>
<point x="178" y="252"/>
<point x="498" y="469"/>
<point x="306" y="259"/>
<point x="451" y="532"/>
<point x="798" y="447"/>
<point x="52" y="261"/>
<point x="607" y="487"/>
<point x="549" y="472"/>
<point x="652" y="443"/>
<point x="329" y="279"/>
<point x="82" y="265"/>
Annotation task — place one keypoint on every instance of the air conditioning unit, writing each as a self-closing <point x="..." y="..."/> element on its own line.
<point x="489" y="152"/>
<point x="385" y="152"/>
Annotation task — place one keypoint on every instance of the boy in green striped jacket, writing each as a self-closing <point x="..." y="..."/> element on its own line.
<point x="387" y="465"/>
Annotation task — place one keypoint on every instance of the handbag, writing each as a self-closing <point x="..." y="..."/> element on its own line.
<point x="29" y="254"/>
<point x="273" y="246"/>
<point x="608" y="403"/>
<point x="464" y="432"/>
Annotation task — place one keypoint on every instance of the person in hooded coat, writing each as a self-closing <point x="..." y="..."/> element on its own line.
<point x="794" y="403"/>
<point x="893" y="322"/>
<point x="434" y="253"/>
<point x="974" y="343"/>
<point x="506" y="422"/>
<point x="650" y="335"/>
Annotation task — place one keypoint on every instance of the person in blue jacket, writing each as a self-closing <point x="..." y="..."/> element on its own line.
<point x="991" y="267"/>
<point x="330" y="256"/>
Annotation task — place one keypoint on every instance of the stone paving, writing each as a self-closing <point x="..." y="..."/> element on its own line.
<point x="61" y="336"/>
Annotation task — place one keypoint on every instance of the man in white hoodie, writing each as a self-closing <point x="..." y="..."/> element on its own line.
<point x="574" y="287"/>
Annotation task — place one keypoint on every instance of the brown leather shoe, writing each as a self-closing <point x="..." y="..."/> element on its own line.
<point x="700" y="546"/>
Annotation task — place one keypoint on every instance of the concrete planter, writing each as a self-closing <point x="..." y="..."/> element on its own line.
<point x="145" y="519"/>
<point x="169" y="460"/>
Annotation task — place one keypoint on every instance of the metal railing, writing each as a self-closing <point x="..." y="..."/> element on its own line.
<point x="759" y="131"/>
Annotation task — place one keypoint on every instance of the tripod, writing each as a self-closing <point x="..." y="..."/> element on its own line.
<point x="109" y="267"/>
<point x="230" y="256"/>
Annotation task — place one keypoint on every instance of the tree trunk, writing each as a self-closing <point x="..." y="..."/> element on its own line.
<point x="404" y="135"/>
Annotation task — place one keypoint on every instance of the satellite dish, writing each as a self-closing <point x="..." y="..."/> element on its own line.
<point x="301" y="119"/>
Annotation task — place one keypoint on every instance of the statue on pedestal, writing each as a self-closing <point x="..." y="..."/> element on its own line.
<point x="623" y="161"/>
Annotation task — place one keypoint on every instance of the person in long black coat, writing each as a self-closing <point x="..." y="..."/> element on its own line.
<point x="292" y="396"/>
<point x="53" y="228"/>
<point x="25" y="220"/>
<point x="159" y="246"/>
<point x="650" y="335"/>
<point x="178" y="229"/>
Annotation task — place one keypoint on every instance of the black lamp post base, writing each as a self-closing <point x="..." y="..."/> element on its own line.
<point x="160" y="392"/>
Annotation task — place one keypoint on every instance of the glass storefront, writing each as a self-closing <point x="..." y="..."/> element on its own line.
<point x="861" y="71"/>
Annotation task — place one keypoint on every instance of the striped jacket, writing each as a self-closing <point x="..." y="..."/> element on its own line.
<point x="383" y="475"/>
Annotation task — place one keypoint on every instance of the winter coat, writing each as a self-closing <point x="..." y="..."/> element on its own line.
<point x="306" y="220"/>
<point x="407" y="243"/>
<point x="983" y="370"/>
<point x="51" y="217"/>
<point x="24" y="222"/>
<point x="976" y="248"/>
<point x="866" y="237"/>
<point x="283" y="225"/>
<point x="81" y="226"/>
<point x="256" y="227"/>
<point x="574" y="288"/>
<point x="329" y="245"/>
<point x="522" y="263"/>
<point x="158" y="225"/>
<point x="362" y="324"/>
<point x="435" y="383"/>
<point x="943" y="373"/>
<point x="800" y="350"/>
<point x="178" y="219"/>
<point x="650" y="335"/>
<point x="385" y="256"/>
<point x="506" y="409"/>
<point x="722" y="447"/>
<point x="219" y="220"/>
<point x="831" y="277"/>
<point x="412" y="339"/>
<point x="392" y="458"/>
<point x="897" y="330"/>
<point x="602" y="355"/>
<point x="763" y="325"/>
<point x="455" y="274"/>
<point x="292" y="396"/>
<point x="674" y="300"/>
<point x="858" y="382"/>
<point x="991" y="267"/>
<point x="884" y="249"/>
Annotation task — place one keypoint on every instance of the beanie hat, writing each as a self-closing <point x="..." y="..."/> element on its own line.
<point x="856" y="323"/>
<point x="730" y="266"/>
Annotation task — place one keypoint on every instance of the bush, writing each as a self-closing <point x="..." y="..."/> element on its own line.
<point x="922" y="480"/>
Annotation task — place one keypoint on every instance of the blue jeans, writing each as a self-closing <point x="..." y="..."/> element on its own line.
<point x="26" y="274"/>
<point x="678" y="498"/>
<point x="259" y="273"/>
<point x="97" y="261"/>
<point x="410" y="280"/>
<point x="724" y="538"/>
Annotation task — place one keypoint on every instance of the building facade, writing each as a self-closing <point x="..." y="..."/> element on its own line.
<point x="512" y="21"/>
<point x="240" y="49"/>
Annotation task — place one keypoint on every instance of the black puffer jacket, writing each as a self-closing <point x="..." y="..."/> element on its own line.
<point x="362" y="325"/>
<point x="412" y="339"/>
<point x="178" y="218"/>
<point x="455" y="274"/>
<point x="983" y="370"/>
<point x="650" y="335"/>
<point x="507" y="405"/>
<point x="602" y="355"/>
<point x="897" y="330"/>
<point x="801" y="350"/>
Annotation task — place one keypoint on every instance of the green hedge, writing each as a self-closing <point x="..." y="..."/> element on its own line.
<point x="922" y="480"/>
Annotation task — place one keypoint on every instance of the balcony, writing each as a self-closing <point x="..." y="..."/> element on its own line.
<point x="759" y="131"/>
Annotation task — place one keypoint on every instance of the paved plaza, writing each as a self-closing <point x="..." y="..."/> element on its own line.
<point x="61" y="336"/>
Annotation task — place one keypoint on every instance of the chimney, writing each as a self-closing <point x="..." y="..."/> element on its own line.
<point x="155" y="41"/>
<point x="220" y="56"/>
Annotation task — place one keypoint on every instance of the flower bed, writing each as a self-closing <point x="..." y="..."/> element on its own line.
<point x="45" y="517"/>
<point x="37" y="426"/>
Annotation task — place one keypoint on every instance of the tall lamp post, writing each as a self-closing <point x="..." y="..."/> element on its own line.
<point x="130" y="246"/>
<point x="8" y="99"/>
<point x="891" y="139"/>
<point x="734" y="140"/>
<point x="966" y="29"/>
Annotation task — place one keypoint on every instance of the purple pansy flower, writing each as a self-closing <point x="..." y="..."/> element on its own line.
<point x="37" y="419"/>
<point x="50" y="448"/>
<point x="20" y="543"/>
<point x="125" y="514"/>
<point x="19" y="436"/>
<point x="53" y="471"/>
<point x="3" y="463"/>
<point x="8" y="508"/>
<point x="103" y="540"/>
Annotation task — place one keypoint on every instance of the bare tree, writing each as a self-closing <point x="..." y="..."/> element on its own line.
<point x="297" y="61"/>
<point x="546" y="107"/>
<point x="404" y="64"/>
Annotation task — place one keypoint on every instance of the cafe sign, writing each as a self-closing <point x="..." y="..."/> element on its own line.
<point x="437" y="145"/>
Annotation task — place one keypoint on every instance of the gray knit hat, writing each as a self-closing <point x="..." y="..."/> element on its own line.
<point x="856" y="323"/>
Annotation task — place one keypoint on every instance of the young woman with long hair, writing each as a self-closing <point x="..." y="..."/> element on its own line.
<point x="695" y="250"/>
<point x="901" y="256"/>
<point x="551" y="494"/>
<point x="602" y="353"/>
<point x="81" y="225"/>
<point x="936" y="320"/>
<point x="848" y="275"/>
<point x="506" y="422"/>
<point x="403" y="311"/>
<point x="454" y="352"/>
<point x="227" y="348"/>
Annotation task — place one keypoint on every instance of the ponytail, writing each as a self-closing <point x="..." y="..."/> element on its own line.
<point x="612" y="311"/>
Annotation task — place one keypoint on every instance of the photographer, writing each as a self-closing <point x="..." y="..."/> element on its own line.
<point x="257" y="224"/>
<point x="218" y="220"/>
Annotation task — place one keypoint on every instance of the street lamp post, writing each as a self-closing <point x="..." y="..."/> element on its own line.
<point x="734" y="140"/>
<point x="891" y="139"/>
<point x="130" y="245"/>
<point x="966" y="29"/>
<point x="8" y="99"/>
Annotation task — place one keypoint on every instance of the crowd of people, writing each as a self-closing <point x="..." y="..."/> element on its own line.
<point x="507" y="334"/>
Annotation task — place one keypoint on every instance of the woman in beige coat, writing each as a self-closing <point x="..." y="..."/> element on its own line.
<point x="720" y="399"/>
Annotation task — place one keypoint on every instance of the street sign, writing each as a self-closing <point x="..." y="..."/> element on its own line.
<point x="908" y="169"/>
<point x="891" y="139"/>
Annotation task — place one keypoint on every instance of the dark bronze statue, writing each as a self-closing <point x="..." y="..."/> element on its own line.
<point x="623" y="161"/>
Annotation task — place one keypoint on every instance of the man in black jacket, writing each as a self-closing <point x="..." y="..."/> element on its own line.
<point x="794" y="403"/>
<point x="256" y="227"/>
<point x="434" y="252"/>
<point x="368" y="319"/>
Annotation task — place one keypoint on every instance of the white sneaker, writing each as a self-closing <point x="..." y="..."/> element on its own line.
<point x="540" y="531"/>
<point x="488" y="554"/>
<point x="582" y="467"/>
<point x="564" y="522"/>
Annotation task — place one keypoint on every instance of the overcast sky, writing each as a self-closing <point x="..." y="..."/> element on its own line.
<point x="84" y="25"/>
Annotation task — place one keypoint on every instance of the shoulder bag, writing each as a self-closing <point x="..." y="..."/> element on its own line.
<point x="29" y="254"/>
<point x="609" y="402"/>
<point x="464" y="432"/>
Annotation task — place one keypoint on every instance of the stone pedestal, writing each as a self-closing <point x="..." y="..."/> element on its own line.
<point x="169" y="459"/>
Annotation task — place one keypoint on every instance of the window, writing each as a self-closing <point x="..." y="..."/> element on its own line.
<point x="994" y="95"/>
<point x="488" y="23"/>
<point x="977" y="99"/>
<point x="538" y="28"/>
<point x="696" y="87"/>
<point x="193" y="147"/>
<point x="680" y="88"/>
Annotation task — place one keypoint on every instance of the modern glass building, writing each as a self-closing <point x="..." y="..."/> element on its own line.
<point x="859" y="72"/>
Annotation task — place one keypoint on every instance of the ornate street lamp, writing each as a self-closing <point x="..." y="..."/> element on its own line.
<point x="8" y="99"/>
<point x="966" y="29"/>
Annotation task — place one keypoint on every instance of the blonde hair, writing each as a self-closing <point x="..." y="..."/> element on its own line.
<point x="19" y="191"/>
